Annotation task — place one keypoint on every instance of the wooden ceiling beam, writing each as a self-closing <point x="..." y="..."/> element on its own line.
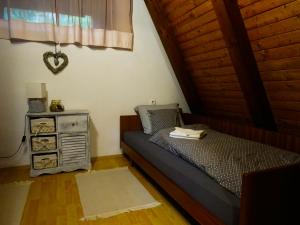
<point x="171" y="47"/>
<point x="243" y="60"/>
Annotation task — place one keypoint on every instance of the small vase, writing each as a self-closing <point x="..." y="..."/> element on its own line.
<point x="56" y="106"/>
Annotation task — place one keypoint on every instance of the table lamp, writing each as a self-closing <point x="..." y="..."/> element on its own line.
<point x="36" y="97"/>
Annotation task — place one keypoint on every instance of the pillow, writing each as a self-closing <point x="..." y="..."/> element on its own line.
<point x="163" y="118"/>
<point x="142" y="110"/>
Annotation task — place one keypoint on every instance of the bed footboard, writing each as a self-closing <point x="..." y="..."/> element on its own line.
<point x="271" y="197"/>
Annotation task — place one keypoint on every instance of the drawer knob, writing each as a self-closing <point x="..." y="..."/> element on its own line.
<point x="73" y="124"/>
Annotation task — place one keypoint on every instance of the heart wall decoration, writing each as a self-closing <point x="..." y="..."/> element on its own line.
<point x="60" y="61"/>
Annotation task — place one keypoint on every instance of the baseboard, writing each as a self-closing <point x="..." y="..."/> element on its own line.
<point x="22" y="167"/>
<point x="116" y="156"/>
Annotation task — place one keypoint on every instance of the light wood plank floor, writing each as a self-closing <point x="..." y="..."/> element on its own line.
<point x="54" y="199"/>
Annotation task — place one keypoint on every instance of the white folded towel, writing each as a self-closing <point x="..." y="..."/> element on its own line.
<point x="187" y="133"/>
<point x="176" y="133"/>
<point x="181" y="137"/>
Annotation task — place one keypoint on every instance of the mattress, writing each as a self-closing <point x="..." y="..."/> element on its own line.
<point x="218" y="152"/>
<point x="200" y="186"/>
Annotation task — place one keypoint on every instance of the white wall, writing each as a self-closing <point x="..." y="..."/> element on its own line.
<point x="107" y="82"/>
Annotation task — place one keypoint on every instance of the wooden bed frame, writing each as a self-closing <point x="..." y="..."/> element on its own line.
<point x="269" y="197"/>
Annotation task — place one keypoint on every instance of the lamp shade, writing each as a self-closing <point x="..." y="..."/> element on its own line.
<point x="36" y="90"/>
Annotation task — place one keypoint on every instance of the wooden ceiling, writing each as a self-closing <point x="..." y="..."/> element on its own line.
<point x="236" y="59"/>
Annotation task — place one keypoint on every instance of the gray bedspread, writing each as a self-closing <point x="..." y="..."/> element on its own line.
<point x="224" y="157"/>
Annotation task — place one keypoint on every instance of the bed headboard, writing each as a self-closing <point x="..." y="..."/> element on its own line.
<point x="248" y="131"/>
<point x="129" y="123"/>
<point x="243" y="130"/>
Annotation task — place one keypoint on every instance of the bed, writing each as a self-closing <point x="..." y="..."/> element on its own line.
<point x="267" y="196"/>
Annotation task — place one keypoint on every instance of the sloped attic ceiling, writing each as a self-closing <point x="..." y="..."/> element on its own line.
<point x="236" y="59"/>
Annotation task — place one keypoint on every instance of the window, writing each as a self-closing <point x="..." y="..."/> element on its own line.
<point x="87" y="22"/>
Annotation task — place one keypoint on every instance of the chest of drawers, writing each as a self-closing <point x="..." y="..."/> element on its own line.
<point x="58" y="141"/>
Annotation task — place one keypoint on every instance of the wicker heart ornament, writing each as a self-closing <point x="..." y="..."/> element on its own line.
<point x="58" y="66"/>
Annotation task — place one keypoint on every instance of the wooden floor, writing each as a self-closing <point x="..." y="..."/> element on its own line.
<point x="54" y="199"/>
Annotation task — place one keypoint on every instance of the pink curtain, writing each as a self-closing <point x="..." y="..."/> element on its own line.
<point x="106" y="23"/>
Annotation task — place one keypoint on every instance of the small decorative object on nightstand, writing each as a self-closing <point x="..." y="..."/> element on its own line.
<point x="56" y="106"/>
<point x="58" y="141"/>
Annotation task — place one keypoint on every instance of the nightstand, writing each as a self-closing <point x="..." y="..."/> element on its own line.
<point x="58" y="141"/>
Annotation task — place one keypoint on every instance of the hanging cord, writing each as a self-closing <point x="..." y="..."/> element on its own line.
<point x="55" y="23"/>
<point x="55" y="18"/>
<point x="56" y="61"/>
<point x="21" y="144"/>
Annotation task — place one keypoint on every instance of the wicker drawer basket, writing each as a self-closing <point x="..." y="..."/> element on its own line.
<point x="42" y="125"/>
<point x="43" y="143"/>
<point x="44" y="161"/>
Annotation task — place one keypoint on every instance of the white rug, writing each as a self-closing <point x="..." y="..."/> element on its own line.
<point x="106" y="193"/>
<point x="13" y="198"/>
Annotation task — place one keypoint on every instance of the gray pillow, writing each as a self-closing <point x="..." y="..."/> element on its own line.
<point x="163" y="118"/>
<point x="142" y="110"/>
